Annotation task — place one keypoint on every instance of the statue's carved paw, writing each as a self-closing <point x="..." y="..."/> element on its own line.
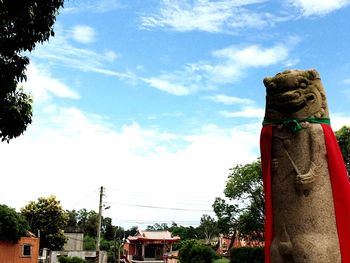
<point x="306" y="181"/>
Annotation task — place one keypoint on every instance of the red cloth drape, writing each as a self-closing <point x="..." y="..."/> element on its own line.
<point x="265" y="148"/>
<point x="339" y="183"/>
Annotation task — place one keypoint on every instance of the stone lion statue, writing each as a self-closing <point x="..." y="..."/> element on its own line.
<point x="304" y="174"/>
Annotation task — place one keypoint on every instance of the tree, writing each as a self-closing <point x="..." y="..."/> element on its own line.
<point x="83" y="221"/>
<point x="23" y="24"/>
<point x="243" y="187"/>
<point x="158" y="227"/>
<point x="343" y="138"/>
<point x="13" y="225"/>
<point x="208" y="227"/>
<point x="131" y="231"/>
<point x="183" y="232"/>
<point x="48" y="216"/>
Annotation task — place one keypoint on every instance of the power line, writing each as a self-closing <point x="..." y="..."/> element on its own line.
<point x="162" y="207"/>
<point x="153" y="194"/>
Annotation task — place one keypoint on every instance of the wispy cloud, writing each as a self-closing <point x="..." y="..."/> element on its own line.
<point x="209" y="16"/>
<point x="42" y="85"/>
<point x="60" y="50"/>
<point x="233" y="61"/>
<point x="229" y="100"/>
<point x="165" y="85"/>
<point x="98" y="6"/>
<point x="84" y="34"/>
<point x="317" y="8"/>
<point x="226" y="65"/>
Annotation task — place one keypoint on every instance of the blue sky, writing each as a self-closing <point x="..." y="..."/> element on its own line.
<point x="156" y="100"/>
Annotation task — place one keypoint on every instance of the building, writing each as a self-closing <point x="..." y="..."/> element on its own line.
<point x="151" y="246"/>
<point x="26" y="250"/>
<point x="74" y="247"/>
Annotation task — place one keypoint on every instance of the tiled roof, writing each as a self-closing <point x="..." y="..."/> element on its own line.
<point x="154" y="235"/>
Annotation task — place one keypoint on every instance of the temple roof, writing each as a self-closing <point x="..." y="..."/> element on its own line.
<point x="153" y="235"/>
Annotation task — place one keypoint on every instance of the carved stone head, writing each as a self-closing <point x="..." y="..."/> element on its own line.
<point x="295" y="94"/>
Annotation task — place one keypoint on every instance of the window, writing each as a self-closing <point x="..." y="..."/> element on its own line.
<point x="26" y="250"/>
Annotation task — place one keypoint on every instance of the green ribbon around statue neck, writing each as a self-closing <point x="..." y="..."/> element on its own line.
<point x="294" y="124"/>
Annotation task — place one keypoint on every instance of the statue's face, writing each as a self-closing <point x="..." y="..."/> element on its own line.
<point x="293" y="92"/>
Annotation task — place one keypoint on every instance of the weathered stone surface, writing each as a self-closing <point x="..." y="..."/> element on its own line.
<point x="304" y="227"/>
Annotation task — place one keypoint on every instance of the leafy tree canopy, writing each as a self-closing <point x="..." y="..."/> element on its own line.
<point x="48" y="216"/>
<point x="208" y="228"/>
<point x="244" y="211"/>
<point x="343" y="138"/>
<point x="12" y="224"/>
<point x="23" y="24"/>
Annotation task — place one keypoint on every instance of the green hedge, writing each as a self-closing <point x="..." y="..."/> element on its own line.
<point x="247" y="255"/>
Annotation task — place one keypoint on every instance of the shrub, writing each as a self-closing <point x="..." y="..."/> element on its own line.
<point x="193" y="251"/>
<point x="221" y="260"/>
<point x="247" y="255"/>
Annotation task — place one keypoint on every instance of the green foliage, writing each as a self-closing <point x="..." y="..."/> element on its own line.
<point x="22" y="26"/>
<point x="131" y="231"/>
<point x="48" y="216"/>
<point x="221" y="260"/>
<point x="87" y="222"/>
<point x="244" y="186"/>
<point x="183" y="232"/>
<point x="12" y="224"/>
<point x="193" y="251"/>
<point x="343" y="138"/>
<point x="208" y="228"/>
<point x="71" y="260"/>
<point x="158" y="227"/>
<point x="247" y="255"/>
<point x="89" y="243"/>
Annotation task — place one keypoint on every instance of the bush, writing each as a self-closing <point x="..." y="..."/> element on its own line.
<point x="192" y="251"/>
<point x="221" y="260"/>
<point x="247" y="255"/>
<point x="71" y="260"/>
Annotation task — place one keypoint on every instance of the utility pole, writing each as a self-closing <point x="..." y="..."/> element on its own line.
<point x="99" y="227"/>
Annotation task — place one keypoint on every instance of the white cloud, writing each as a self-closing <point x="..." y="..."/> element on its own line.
<point x="316" y="7"/>
<point x="209" y="16"/>
<point x="339" y="119"/>
<point x="68" y="153"/>
<point x="42" y="85"/>
<point x="165" y="85"/>
<point x="229" y="100"/>
<point x="247" y="112"/>
<point x="83" y="34"/>
<point x="254" y="55"/>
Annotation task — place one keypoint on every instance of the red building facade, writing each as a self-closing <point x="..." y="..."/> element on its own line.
<point x="149" y="246"/>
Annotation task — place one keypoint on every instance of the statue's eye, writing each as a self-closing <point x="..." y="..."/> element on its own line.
<point x="272" y="85"/>
<point x="303" y="84"/>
